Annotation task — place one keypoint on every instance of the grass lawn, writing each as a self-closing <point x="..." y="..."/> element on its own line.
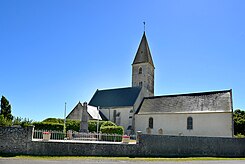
<point x="118" y="158"/>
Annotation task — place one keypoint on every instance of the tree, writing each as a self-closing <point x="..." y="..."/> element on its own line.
<point x="6" y="109"/>
<point x="239" y="122"/>
<point x="22" y="121"/>
<point x="4" y="121"/>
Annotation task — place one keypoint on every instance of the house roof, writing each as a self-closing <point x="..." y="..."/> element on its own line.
<point x="77" y="107"/>
<point x="214" y="101"/>
<point x="118" y="97"/>
<point x="92" y="111"/>
<point x="143" y="54"/>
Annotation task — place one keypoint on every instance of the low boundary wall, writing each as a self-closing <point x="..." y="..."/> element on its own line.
<point x="17" y="140"/>
<point x="187" y="146"/>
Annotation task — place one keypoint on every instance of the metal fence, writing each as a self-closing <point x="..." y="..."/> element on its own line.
<point x="70" y="135"/>
<point x="54" y="135"/>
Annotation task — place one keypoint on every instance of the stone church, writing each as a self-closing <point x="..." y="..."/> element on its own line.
<point x="136" y="108"/>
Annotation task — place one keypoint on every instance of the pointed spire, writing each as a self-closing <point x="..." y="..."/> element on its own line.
<point x="143" y="54"/>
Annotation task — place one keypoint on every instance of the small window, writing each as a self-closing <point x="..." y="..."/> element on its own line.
<point x="140" y="84"/>
<point x="151" y="122"/>
<point x="140" y="70"/>
<point x="189" y="123"/>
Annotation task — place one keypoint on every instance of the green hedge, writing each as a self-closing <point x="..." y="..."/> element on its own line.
<point x="117" y="130"/>
<point x="108" y="123"/>
<point x="54" y="120"/>
<point x="58" y="124"/>
<point x="73" y="125"/>
<point x="48" y="126"/>
<point x="92" y="125"/>
<point x="112" y="130"/>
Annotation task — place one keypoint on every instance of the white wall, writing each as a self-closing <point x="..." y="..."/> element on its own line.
<point x="204" y="124"/>
<point x="125" y="121"/>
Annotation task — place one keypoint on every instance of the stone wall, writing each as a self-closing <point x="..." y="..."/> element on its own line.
<point x="82" y="149"/>
<point x="16" y="140"/>
<point x="186" y="146"/>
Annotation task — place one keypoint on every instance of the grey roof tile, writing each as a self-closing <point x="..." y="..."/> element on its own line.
<point x="195" y="102"/>
<point x="115" y="97"/>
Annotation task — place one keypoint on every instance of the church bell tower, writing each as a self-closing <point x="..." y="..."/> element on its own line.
<point x="143" y="68"/>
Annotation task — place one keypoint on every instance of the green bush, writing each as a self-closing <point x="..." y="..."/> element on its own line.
<point x="73" y="125"/>
<point x="54" y="120"/>
<point x="239" y="122"/>
<point x="48" y="126"/>
<point x="112" y="130"/>
<point x="17" y="121"/>
<point x="24" y="122"/>
<point x="58" y="124"/>
<point x="92" y="125"/>
<point x="239" y="135"/>
<point x="5" y="121"/>
<point x="108" y="123"/>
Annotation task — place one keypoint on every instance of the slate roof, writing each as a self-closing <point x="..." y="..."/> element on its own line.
<point x="215" y="101"/>
<point x="92" y="111"/>
<point x="143" y="54"/>
<point x="115" y="97"/>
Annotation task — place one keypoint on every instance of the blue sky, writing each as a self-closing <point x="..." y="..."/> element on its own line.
<point x="57" y="51"/>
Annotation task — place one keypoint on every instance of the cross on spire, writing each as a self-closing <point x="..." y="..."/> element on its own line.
<point x="144" y="26"/>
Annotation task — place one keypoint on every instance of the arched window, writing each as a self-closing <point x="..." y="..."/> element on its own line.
<point x="140" y="70"/>
<point x="189" y="123"/>
<point x="151" y="122"/>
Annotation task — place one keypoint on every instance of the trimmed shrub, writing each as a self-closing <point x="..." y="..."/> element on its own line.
<point x="92" y="125"/>
<point x="112" y="130"/>
<point x="58" y="124"/>
<point x="115" y="133"/>
<point x="73" y="125"/>
<point x="108" y="123"/>
<point x="48" y="126"/>
<point x="54" y="120"/>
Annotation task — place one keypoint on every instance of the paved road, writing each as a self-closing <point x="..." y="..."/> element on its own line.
<point x="21" y="161"/>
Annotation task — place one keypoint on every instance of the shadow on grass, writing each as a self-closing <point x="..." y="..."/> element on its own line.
<point x="7" y="155"/>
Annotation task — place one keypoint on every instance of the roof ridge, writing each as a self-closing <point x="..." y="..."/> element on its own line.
<point x="191" y="94"/>
<point x="118" y="88"/>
